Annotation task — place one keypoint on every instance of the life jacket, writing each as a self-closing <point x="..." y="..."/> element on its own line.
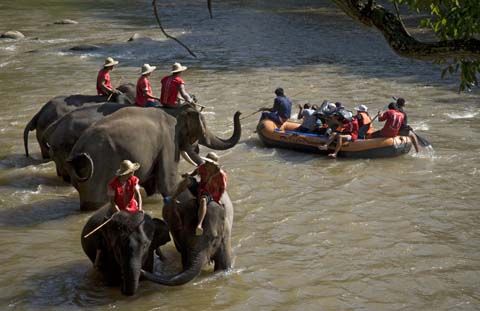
<point x="365" y="121"/>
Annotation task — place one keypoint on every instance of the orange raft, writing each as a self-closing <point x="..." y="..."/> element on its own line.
<point x="286" y="137"/>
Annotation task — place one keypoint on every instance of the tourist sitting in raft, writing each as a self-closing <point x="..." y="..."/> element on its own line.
<point x="144" y="95"/>
<point x="281" y="110"/>
<point x="213" y="182"/>
<point x="104" y="83"/>
<point x="365" y="128"/>
<point x="405" y="128"/>
<point x="394" y="120"/>
<point x="123" y="188"/>
<point x="348" y="132"/>
<point x="308" y="114"/>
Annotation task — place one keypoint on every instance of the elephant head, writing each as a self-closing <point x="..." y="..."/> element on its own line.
<point x="213" y="245"/>
<point x="131" y="240"/>
<point x="192" y="129"/>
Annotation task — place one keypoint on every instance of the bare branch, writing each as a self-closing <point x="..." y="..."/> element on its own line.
<point x="209" y="5"/>
<point x="154" y="4"/>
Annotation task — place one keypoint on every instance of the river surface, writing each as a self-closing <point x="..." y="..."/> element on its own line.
<point x="309" y="233"/>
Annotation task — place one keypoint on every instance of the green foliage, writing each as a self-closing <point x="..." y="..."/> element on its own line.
<point x="452" y="20"/>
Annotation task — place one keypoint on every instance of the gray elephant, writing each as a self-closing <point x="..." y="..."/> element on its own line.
<point x="126" y="243"/>
<point x="57" y="107"/>
<point x="61" y="135"/>
<point x="148" y="136"/>
<point x="214" y="245"/>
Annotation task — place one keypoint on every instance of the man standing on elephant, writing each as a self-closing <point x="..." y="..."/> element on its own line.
<point x="104" y="83"/>
<point x="124" y="187"/>
<point x="213" y="183"/>
<point x="173" y="85"/>
<point x="145" y="96"/>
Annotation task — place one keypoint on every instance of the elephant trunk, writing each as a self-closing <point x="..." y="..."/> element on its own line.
<point x="181" y="278"/>
<point x="192" y="153"/>
<point x="213" y="142"/>
<point x="78" y="164"/>
<point x="130" y="278"/>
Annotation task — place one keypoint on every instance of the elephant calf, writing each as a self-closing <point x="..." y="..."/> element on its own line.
<point x="126" y="243"/>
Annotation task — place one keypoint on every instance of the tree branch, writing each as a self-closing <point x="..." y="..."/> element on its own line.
<point x="154" y="4"/>
<point x="401" y="41"/>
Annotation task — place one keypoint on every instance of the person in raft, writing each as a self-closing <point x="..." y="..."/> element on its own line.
<point x="213" y="182"/>
<point x="348" y="132"/>
<point x="144" y="96"/>
<point x="365" y="128"/>
<point x="405" y="129"/>
<point x="394" y="121"/>
<point x="281" y="110"/>
<point x="173" y="88"/>
<point x="123" y="189"/>
<point x="104" y="83"/>
<point x="308" y="114"/>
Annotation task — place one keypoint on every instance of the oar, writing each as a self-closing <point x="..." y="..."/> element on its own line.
<point x="423" y="141"/>
<point x="99" y="227"/>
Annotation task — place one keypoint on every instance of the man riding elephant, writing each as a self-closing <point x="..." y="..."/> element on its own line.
<point x="173" y="87"/>
<point x="104" y="82"/>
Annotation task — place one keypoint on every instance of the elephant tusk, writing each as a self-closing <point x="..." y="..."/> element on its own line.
<point x="187" y="158"/>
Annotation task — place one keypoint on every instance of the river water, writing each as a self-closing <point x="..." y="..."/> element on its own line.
<point x="309" y="233"/>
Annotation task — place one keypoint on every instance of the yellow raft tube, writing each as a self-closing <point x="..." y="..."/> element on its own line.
<point x="286" y="137"/>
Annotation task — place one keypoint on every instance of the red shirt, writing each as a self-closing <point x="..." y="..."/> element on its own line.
<point x="394" y="122"/>
<point x="142" y="85"/>
<point x="213" y="185"/>
<point x="170" y="87"/>
<point x="124" y="194"/>
<point x="103" y="78"/>
<point x="351" y="128"/>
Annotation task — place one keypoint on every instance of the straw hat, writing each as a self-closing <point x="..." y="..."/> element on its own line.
<point x="211" y="157"/>
<point x="361" y="108"/>
<point x="146" y="68"/>
<point x="177" y="67"/>
<point x="127" y="167"/>
<point x="110" y="62"/>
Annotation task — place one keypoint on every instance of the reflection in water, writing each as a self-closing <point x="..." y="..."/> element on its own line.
<point x="309" y="233"/>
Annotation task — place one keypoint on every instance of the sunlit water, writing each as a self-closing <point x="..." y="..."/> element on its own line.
<point x="309" y="233"/>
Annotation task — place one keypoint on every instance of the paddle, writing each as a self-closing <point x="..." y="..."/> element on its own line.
<point x="423" y="141"/>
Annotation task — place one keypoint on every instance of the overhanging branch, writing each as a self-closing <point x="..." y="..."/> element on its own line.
<point x="401" y="41"/>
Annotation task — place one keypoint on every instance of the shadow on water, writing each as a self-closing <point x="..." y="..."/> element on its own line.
<point x="39" y="212"/>
<point x="75" y="284"/>
<point x="19" y="160"/>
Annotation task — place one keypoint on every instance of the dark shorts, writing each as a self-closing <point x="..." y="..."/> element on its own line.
<point x="303" y="129"/>
<point x="194" y="184"/>
<point x="153" y="104"/>
<point x="272" y="116"/>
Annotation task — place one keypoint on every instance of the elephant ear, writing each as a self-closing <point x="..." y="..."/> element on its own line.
<point x="161" y="235"/>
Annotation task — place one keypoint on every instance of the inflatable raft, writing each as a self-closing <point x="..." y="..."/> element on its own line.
<point x="286" y="137"/>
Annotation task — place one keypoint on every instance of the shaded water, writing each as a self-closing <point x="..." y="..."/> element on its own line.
<point x="309" y="233"/>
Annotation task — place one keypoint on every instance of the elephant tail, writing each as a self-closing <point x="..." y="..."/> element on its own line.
<point x="32" y="125"/>
<point x="178" y="279"/>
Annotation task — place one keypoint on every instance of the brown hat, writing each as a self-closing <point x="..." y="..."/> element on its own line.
<point x="127" y="167"/>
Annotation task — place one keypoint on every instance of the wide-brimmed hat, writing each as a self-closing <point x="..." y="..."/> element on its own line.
<point x="110" y="62"/>
<point x="361" y="108"/>
<point x="127" y="167"/>
<point x="211" y="157"/>
<point x="146" y="68"/>
<point x="177" y="67"/>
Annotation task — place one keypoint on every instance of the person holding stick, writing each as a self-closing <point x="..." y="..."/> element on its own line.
<point x="104" y="83"/>
<point x="124" y="187"/>
<point x="173" y="88"/>
<point x="281" y="110"/>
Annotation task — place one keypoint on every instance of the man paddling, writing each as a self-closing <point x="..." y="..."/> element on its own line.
<point x="173" y="87"/>
<point x="394" y="120"/>
<point x="405" y="129"/>
<point x="281" y="110"/>
<point x="104" y="82"/>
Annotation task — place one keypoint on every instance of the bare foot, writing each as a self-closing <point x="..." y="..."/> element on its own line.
<point x="199" y="231"/>
<point x="332" y="155"/>
<point x="323" y="147"/>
